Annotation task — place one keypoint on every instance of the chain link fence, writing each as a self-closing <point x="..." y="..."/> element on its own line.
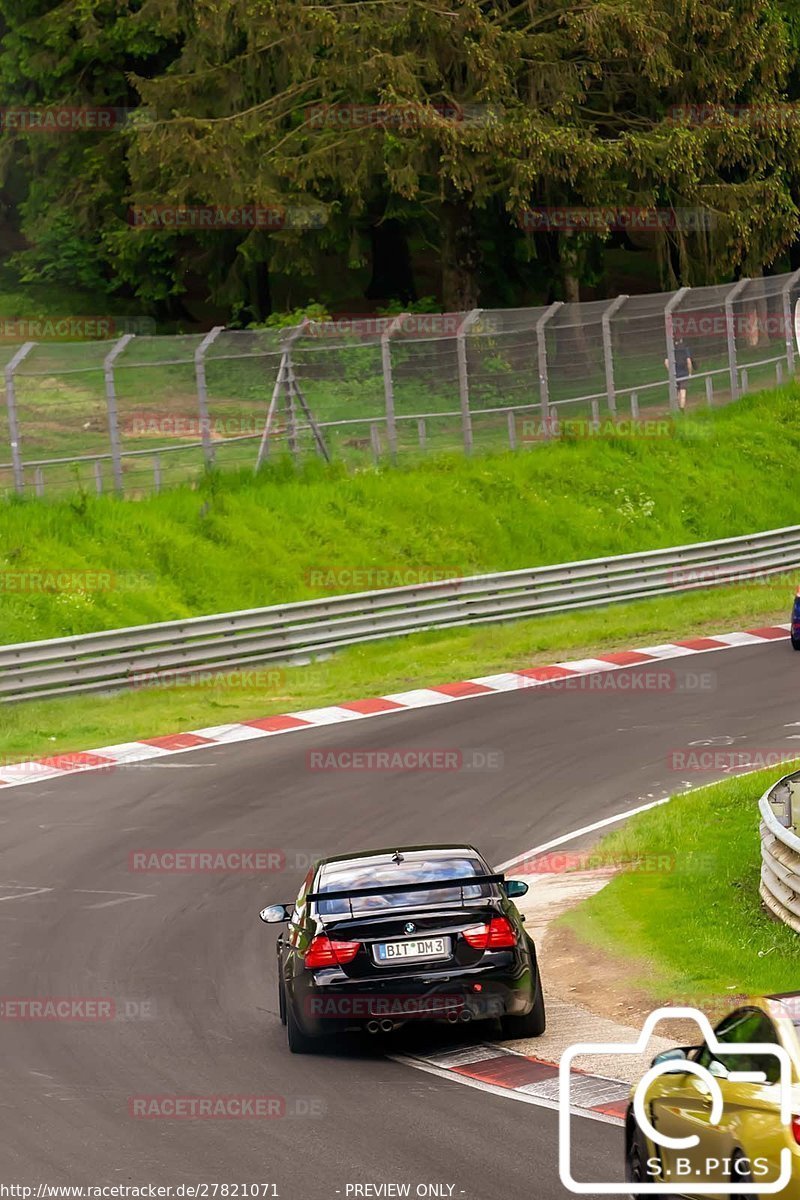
<point x="141" y="412"/>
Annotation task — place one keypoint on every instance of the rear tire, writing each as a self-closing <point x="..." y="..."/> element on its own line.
<point x="795" y="643"/>
<point x="299" y="1042"/>
<point x="636" y="1163"/>
<point x="533" y="1024"/>
<point x="740" y="1170"/>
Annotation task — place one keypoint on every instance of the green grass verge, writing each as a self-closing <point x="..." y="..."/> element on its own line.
<point x="697" y="929"/>
<point x="241" y="541"/>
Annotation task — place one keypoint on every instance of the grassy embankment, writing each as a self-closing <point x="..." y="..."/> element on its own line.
<point x="242" y="542"/>
<point x="698" y="929"/>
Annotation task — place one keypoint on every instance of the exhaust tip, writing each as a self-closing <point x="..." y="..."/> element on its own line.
<point x="372" y="1026"/>
<point x="465" y="1015"/>
<point x="387" y="1026"/>
<point x="452" y="1018"/>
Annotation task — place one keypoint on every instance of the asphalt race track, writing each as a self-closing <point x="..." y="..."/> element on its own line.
<point x="191" y="968"/>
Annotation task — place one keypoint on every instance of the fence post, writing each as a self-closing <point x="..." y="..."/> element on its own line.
<point x="512" y="429"/>
<point x="788" y="323"/>
<point x="291" y="408"/>
<point x="388" y="383"/>
<point x="111" y="405"/>
<point x="608" y="357"/>
<point x="731" y="336"/>
<point x="463" y="378"/>
<point x="541" y="350"/>
<point x="668" y="311"/>
<point x="13" y="423"/>
<point x="202" y="392"/>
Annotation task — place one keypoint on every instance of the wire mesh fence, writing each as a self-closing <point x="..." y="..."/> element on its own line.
<point x="138" y="413"/>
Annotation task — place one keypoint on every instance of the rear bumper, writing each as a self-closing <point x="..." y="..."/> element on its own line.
<point x="481" y="994"/>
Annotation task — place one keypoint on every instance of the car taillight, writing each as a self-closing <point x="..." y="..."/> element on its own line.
<point x="327" y="952"/>
<point x="498" y="934"/>
<point x="796" y="1129"/>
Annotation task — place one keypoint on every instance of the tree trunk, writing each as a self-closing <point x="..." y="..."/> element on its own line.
<point x="460" y="258"/>
<point x="573" y="337"/>
<point x="392" y="272"/>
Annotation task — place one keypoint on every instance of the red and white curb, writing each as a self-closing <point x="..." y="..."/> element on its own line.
<point x="41" y="770"/>
<point x="531" y="1080"/>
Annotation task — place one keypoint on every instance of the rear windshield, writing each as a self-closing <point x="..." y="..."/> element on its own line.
<point x="375" y="874"/>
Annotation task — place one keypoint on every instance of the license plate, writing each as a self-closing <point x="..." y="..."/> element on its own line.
<point x="414" y="948"/>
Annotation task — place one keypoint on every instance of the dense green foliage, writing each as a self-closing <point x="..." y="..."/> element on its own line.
<point x="488" y="110"/>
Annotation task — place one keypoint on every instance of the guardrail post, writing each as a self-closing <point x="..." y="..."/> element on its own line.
<point x="202" y="392"/>
<point x="670" y="336"/>
<point x="541" y="350"/>
<point x="608" y="356"/>
<point x="13" y="423"/>
<point x="730" y="332"/>
<point x="388" y="383"/>
<point x="463" y="377"/>
<point x="111" y="405"/>
<point x="788" y="323"/>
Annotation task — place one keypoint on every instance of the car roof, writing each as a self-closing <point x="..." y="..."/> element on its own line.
<point x="410" y="854"/>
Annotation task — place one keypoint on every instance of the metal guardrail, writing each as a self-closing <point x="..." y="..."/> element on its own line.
<point x="147" y="654"/>
<point x="780" y="850"/>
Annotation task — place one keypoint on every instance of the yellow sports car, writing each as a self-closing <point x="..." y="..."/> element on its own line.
<point x="741" y="1146"/>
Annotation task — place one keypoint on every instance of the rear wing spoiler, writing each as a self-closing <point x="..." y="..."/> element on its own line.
<point x="392" y="889"/>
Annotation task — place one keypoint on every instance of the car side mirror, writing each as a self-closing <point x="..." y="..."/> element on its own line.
<point x="515" y="887"/>
<point x="273" y="914"/>
<point x="678" y="1055"/>
<point x="717" y="1069"/>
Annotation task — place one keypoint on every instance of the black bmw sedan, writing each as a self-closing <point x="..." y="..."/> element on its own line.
<point x="382" y="937"/>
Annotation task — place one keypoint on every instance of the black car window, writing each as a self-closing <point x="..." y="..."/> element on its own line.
<point x="368" y="875"/>
<point x="745" y="1025"/>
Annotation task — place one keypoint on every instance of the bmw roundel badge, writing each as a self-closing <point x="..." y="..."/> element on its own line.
<point x="409" y="927"/>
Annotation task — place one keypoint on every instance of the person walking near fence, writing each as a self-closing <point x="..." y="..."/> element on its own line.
<point x="684" y="367"/>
